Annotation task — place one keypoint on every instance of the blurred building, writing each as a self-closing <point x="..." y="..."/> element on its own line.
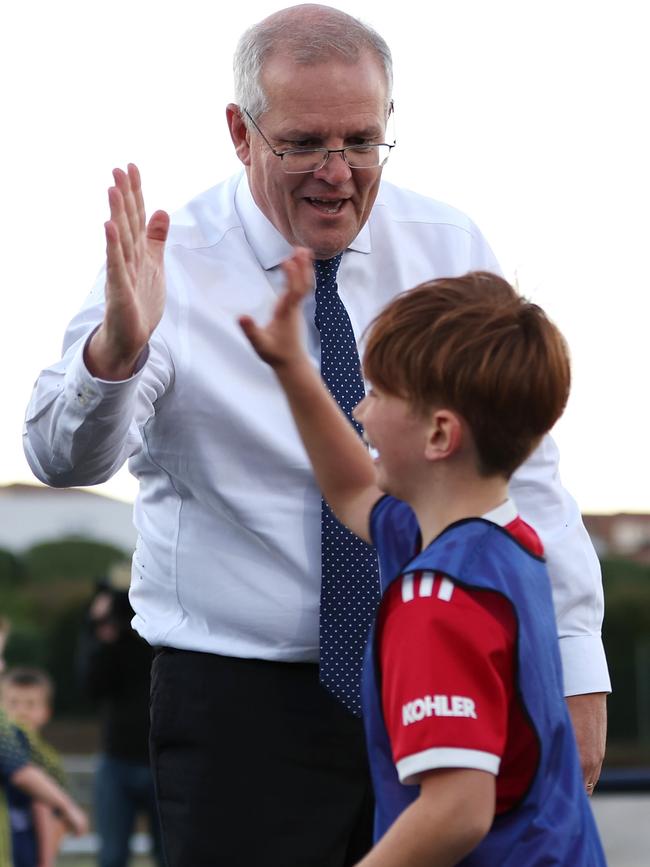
<point x="625" y="535"/>
<point x="30" y="514"/>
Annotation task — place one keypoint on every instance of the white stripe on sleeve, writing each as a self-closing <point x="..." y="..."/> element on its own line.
<point x="410" y="767"/>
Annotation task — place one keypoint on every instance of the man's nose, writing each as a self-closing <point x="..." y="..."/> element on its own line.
<point x="335" y="171"/>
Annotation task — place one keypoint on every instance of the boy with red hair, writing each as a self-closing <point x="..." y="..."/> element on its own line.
<point x="471" y="747"/>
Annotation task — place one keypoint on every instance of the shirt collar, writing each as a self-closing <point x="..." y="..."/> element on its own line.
<point x="268" y="245"/>
<point x="503" y="515"/>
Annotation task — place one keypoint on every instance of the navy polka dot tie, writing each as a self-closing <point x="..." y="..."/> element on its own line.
<point x="350" y="576"/>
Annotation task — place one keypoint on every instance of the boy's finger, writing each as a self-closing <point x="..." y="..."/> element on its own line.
<point x="305" y="258"/>
<point x="303" y="277"/>
<point x="307" y="270"/>
<point x="250" y="329"/>
<point x="294" y="278"/>
<point x="252" y="332"/>
<point x="286" y="270"/>
<point x="298" y="271"/>
<point x="305" y="263"/>
<point x="288" y="301"/>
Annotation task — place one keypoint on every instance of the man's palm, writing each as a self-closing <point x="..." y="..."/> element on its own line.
<point x="135" y="279"/>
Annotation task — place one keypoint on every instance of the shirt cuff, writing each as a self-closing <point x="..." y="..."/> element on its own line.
<point x="87" y="392"/>
<point x="584" y="665"/>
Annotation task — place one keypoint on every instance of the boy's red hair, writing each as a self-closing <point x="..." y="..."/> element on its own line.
<point x="474" y="345"/>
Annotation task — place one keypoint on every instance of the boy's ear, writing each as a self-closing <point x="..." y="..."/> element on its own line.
<point x="238" y="132"/>
<point x="445" y="435"/>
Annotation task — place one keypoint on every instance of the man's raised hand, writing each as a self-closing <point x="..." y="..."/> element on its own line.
<point x="279" y="342"/>
<point x="135" y="280"/>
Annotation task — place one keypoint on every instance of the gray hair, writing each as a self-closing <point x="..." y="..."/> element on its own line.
<point x="307" y="34"/>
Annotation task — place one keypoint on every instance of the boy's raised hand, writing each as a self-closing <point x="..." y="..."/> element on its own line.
<point x="280" y="342"/>
<point x="344" y="471"/>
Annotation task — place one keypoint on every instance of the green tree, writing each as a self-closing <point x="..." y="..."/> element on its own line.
<point x="626" y="632"/>
<point x="45" y="593"/>
<point x="12" y="570"/>
<point x="70" y="559"/>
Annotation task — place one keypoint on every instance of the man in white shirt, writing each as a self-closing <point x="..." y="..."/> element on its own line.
<point x="255" y="762"/>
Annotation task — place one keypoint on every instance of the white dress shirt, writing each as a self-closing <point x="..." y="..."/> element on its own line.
<point x="228" y="514"/>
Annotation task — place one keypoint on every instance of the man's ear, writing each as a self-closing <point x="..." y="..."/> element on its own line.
<point x="445" y="435"/>
<point x="238" y="133"/>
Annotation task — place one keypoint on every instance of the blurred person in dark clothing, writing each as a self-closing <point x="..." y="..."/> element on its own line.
<point x="113" y="665"/>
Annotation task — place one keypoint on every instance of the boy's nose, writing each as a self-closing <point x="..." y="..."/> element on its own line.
<point x="357" y="412"/>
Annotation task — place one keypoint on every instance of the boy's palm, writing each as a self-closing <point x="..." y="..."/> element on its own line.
<point x="280" y="342"/>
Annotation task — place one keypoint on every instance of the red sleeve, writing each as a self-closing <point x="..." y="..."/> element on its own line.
<point x="447" y="663"/>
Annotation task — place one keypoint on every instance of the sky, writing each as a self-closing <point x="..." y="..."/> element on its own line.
<point x="529" y="116"/>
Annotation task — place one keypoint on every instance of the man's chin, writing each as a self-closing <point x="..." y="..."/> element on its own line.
<point x="326" y="238"/>
<point x="326" y="246"/>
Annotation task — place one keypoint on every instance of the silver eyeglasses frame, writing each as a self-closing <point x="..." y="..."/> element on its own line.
<point x="325" y="152"/>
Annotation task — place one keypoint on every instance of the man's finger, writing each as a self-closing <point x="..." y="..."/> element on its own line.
<point x="158" y="226"/>
<point x="131" y="212"/>
<point x="119" y="219"/>
<point x="116" y="271"/>
<point x="136" y="187"/>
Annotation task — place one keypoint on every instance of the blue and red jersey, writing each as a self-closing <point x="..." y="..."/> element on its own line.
<point x="463" y="671"/>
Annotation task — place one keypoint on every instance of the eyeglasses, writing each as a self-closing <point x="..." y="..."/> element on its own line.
<point x="299" y="161"/>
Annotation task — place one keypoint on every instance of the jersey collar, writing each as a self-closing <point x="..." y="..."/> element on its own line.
<point x="503" y="515"/>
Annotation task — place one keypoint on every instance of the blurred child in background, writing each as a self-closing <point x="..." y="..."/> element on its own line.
<point x="36" y="832"/>
<point x="17" y="769"/>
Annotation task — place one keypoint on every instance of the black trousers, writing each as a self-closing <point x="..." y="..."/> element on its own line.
<point x="255" y="765"/>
